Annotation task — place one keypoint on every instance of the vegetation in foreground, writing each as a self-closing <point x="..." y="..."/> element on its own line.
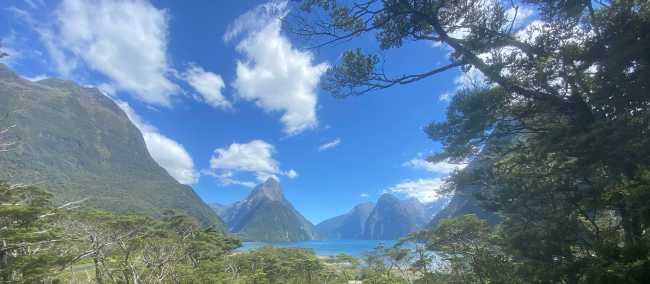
<point x="559" y="136"/>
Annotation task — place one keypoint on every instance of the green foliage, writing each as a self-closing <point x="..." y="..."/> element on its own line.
<point x="81" y="145"/>
<point x="557" y="136"/>
<point x="28" y="242"/>
<point x="467" y="251"/>
<point x="136" y="248"/>
<point x="277" y="265"/>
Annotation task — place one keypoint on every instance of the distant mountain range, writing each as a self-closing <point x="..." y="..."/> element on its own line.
<point x="391" y="218"/>
<point x="77" y="143"/>
<point x="349" y="226"/>
<point x="266" y="215"/>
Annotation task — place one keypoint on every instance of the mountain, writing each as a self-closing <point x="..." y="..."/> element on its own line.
<point x="348" y="226"/>
<point x="265" y="215"/>
<point x="77" y="143"/>
<point x="431" y="209"/>
<point x="393" y="218"/>
<point x="465" y="202"/>
<point x="220" y="209"/>
<point x="390" y="219"/>
<point x="462" y="203"/>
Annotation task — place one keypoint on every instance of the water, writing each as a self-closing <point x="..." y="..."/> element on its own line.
<point x="355" y="248"/>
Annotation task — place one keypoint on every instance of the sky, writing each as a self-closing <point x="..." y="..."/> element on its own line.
<point x="226" y="97"/>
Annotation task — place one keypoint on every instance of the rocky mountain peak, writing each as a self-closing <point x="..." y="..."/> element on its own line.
<point x="270" y="189"/>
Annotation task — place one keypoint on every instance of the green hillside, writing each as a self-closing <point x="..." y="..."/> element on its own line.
<point x="76" y="143"/>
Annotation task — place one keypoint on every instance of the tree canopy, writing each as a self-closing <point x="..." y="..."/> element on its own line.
<point x="559" y="124"/>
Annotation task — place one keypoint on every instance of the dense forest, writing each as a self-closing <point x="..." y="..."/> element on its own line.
<point x="557" y="133"/>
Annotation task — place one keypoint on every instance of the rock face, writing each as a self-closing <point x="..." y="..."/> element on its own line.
<point x="265" y="215"/>
<point x="77" y="143"/>
<point x="220" y="209"/>
<point x="390" y="219"/>
<point x="464" y="202"/>
<point x="349" y="226"/>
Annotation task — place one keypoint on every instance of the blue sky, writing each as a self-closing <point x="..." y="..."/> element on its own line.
<point x="225" y="97"/>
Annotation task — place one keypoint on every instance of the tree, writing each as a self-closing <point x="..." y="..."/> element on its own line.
<point x="28" y="244"/>
<point x="560" y="126"/>
<point x="469" y="252"/>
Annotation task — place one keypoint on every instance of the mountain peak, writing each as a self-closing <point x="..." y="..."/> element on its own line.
<point x="387" y="198"/>
<point x="7" y="73"/>
<point x="269" y="189"/>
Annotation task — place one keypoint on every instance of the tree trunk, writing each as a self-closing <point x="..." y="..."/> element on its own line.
<point x="98" y="272"/>
<point x="5" y="263"/>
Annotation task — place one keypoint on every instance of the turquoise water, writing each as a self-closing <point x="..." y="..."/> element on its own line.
<point x="326" y="248"/>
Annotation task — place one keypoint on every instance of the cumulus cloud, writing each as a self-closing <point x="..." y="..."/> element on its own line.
<point x="254" y="157"/>
<point x="443" y="168"/>
<point x="169" y="154"/>
<point x="124" y="40"/>
<point x="364" y="195"/>
<point x="272" y="73"/>
<point x="291" y="174"/>
<point x="36" y="78"/>
<point x="209" y="86"/>
<point x="329" y="145"/>
<point x="425" y="190"/>
<point x="446" y="97"/>
<point x="520" y="14"/>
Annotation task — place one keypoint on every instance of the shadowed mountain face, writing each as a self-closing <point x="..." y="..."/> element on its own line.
<point x="265" y="215"/>
<point x="77" y="143"/>
<point x="390" y="219"/>
<point x="464" y="200"/>
<point x="219" y="208"/>
<point x="349" y="226"/>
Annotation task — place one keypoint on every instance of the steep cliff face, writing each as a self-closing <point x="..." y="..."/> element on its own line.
<point x="349" y="226"/>
<point x="77" y="143"/>
<point x="266" y="215"/>
<point x="392" y="219"/>
<point x="465" y="202"/>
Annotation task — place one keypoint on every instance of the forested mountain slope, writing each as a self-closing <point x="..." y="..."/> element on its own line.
<point x="78" y="144"/>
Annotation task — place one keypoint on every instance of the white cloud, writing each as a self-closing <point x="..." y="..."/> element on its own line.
<point x="522" y="13"/>
<point x="364" y="195"/>
<point x="291" y="174"/>
<point x="329" y="145"/>
<point x="425" y="190"/>
<point x="443" y="168"/>
<point x="227" y="178"/>
<point x="475" y="78"/>
<point x="209" y="85"/>
<point x="168" y="153"/>
<point x="446" y="97"/>
<point x="254" y="157"/>
<point x="9" y="47"/>
<point x="124" y="40"/>
<point x="35" y="4"/>
<point x="465" y="80"/>
<point x="36" y="78"/>
<point x="273" y="74"/>
<point x="530" y="32"/>
<point x="470" y="79"/>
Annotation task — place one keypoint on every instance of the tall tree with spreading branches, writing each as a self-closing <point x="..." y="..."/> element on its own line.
<point x="560" y="125"/>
